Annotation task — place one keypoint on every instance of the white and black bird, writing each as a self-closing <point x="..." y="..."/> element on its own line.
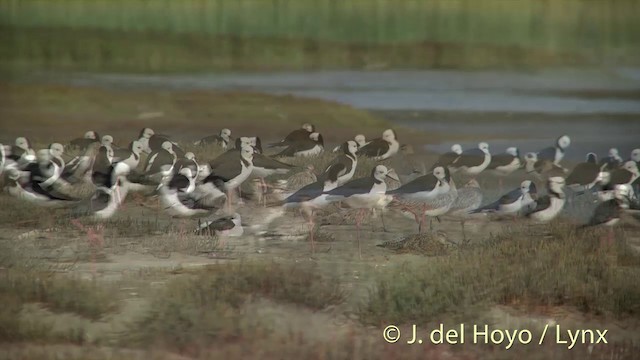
<point x="130" y="155"/>
<point x="585" y="175"/>
<point x="635" y="156"/>
<point x="516" y="201"/>
<point x="473" y="161"/>
<point x="311" y="198"/>
<point x="39" y="188"/>
<point x="555" y="153"/>
<point x="506" y="163"/>
<point x="223" y="139"/>
<point x="360" y="140"/>
<point x="542" y="168"/>
<point x="233" y="168"/>
<point x="161" y="162"/>
<point x="107" y="198"/>
<point x="364" y="194"/>
<point x="57" y="150"/>
<point x="82" y="143"/>
<point x="313" y="145"/>
<point x="254" y="141"/>
<point x="440" y="204"/>
<point x="608" y="213"/>
<point x="449" y="157"/>
<point x="612" y="161"/>
<point x="153" y="142"/>
<point x="296" y="136"/>
<point x="549" y="206"/>
<point x="223" y="226"/>
<point x="21" y="153"/>
<point x="107" y="140"/>
<point x="415" y="195"/>
<point x="264" y="166"/>
<point x="381" y="148"/>
<point x="178" y="199"/>
<point x="346" y="163"/>
<point x="626" y="175"/>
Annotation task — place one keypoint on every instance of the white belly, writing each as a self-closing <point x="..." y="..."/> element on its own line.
<point x="551" y="212"/>
<point x="316" y="150"/>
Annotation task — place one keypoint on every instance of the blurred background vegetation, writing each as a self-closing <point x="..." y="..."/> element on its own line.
<point x="200" y="35"/>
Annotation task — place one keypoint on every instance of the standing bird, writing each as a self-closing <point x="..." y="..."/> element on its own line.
<point x="296" y="135"/>
<point x="21" y="152"/>
<point x="233" y="169"/>
<point x="449" y="157"/>
<point x="473" y="161"/>
<point x="264" y="166"/>
<point x="254" y="141"/>
<point x="469" y="199"/>
<point x="542" y="167"/>
<point x="311" y="146"/>
<point x="360" y="140"/>
<point x="611" y="161"/>
<point x="585" y="175"/>
<point x="514" y="202"/>
<point x="129" y="156"/>
<point x="107" y="198"/>
<point x="345" y="164"/>
<point x="153" y="142"/>
<point x="176" y="196"/>
<point x="223" y="140"/>
<point x="555" y="153"/>
<point x="313" y="197"/>
<point x="505" y="164"/>
<point x="381" y="148"/>
<point x="635" y="156"/>
<point x="161" y="162"/>
<point x="362" y="194"/>
<point x="82" y="143"/>
<point x="416" y="195"/>
<point x="549" y="206"/>
<point x="608" y="213"/>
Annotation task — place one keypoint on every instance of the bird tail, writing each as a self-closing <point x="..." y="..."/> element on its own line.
<point x="277" y="144"/>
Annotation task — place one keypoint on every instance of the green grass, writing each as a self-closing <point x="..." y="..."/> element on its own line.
<point x="522" y="269"/>
<point x="206" y="307"/>
<point x="198" y="35"/>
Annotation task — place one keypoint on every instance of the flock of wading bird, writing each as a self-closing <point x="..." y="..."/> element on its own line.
<point x="186" y="188"/>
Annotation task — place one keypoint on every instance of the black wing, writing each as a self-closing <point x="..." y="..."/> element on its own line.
<point x="263" y="161"/>
<point x="357" y="186"/>
<point x="423" y="183"/>
<point x="471" y="157"/>
<point x="298" y="146"/>
<point x="228" y="169"/>
<point x="605" y="211"/>
<point x="162" y="158"/>
<point x="583" y="174"/>
<point x="542" y="203"/>
<point x="446" y="159"/>
<point x="377" y="147"/>
<point x="179" y="182"/>
<point x="510" y="197"/>
<point x="306" y="193"/>
<point x="500" y="160"/>
<point x="547" y="154"/>
<point x="620" y="176"/>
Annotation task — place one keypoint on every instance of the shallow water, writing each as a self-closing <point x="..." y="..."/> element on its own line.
<point x="417" y="90"/>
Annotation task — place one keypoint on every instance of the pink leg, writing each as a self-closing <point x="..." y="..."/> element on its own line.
<point x="311" y="232"/>
<point x="359" y="216"/>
